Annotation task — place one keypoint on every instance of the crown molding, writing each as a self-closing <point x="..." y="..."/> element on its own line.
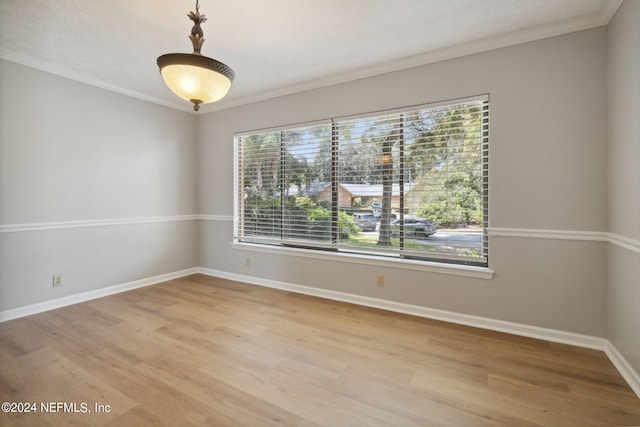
<point x="598" y="19"/>
<point x="40" y="65"/>
<point x="510" y="39"/>
<point x="609" y="10"/>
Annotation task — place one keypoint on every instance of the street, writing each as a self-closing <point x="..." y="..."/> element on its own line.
<point x="449" y="240"/>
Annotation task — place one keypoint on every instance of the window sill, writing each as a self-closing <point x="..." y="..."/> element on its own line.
<point x="406" y="264"/>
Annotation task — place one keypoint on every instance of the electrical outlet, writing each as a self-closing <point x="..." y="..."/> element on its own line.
<point x="380" y="280"/>
<point x="57" y="280"/>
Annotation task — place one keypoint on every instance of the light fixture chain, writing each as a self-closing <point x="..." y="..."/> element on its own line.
<point x="197" y="36"/>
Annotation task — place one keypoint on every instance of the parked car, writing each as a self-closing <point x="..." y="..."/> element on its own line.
<point x="367" y="222"/>
<point x="378" y="215"/>
<point x="414" y="227"/>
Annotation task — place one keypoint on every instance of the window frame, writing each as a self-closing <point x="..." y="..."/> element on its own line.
<point x="406" y="259"/>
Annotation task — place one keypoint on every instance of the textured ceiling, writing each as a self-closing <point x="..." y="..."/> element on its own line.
<point x="274" y="46"/>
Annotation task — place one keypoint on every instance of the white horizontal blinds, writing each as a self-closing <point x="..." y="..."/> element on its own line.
<point x="485" y="179"/>
<point x="258" y="159"/>
<point x="445" y="157"/>
<point x="368" y="180"/>
<point x="360" y="184"/>
<point x="424" y="163"/>
<point x="307" y="189"/>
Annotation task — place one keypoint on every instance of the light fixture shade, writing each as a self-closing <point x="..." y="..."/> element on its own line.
<point x="195" y="77"/>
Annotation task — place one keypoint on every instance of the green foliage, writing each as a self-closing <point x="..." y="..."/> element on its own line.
<point x="443" y="212"/>
<point x="347" y="225"/>
<point x="303" y="202"/>
<point x="442" y="171"/>
<point x="261" y="216"/>
<point x="320" y="223"/>
<point x="468" y="253"/>
<point x="304" y="219"/>
<point x="459" y="203"/>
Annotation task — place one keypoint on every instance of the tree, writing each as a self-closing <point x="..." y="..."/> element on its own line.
<point x="261" y="156"/>
<point x="396" y="134"/>
<point x="458" y="203"/>
<point x="435" y="152"/>
<point x="446" y="161"/>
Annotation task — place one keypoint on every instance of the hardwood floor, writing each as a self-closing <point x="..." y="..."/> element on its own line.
<point x="207" y="351"/>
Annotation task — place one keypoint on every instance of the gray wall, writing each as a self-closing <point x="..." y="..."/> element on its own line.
<point x="72" y="153"/>
<point x="623" y="327"/>
<point x="548" y="171"/>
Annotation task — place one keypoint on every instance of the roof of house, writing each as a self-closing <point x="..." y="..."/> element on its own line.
<point x="356" y="190"/>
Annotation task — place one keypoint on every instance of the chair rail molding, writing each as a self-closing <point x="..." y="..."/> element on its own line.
<point x="16" y="228"/>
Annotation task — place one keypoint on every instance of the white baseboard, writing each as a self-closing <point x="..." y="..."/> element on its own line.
<point x="89" y="295"/>
<point x="621" y="364"/>
<point x="625" y="369"/>
<point x="546" y="334"/>
<point x="426" y="312"/>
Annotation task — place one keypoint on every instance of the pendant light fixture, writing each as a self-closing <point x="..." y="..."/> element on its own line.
<point x="194" y="77"/>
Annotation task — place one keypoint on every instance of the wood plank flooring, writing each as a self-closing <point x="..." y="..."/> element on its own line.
<point x="207" y="351"/>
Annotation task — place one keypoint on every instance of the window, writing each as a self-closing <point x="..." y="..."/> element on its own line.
<point x="409" y="183"/>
